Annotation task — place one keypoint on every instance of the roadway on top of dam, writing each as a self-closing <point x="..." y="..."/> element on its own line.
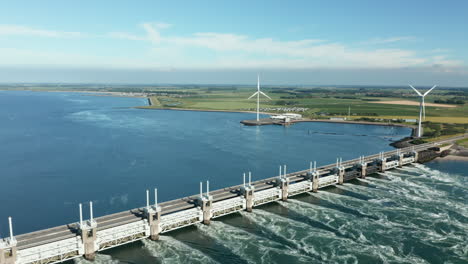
<point x="68" y="231"/>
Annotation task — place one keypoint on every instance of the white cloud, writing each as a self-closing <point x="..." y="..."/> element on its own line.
<point x="27" y="57"/>
<point x="228" y="51"/>
<point x="444" y="61"/>
<point x="17" y="30"/>
<point x="440" y="50"/>
<point x="161" y="25"/>
<point x="268" y="52"/>
<point x="124" y="35"/>
<point x="152" y="33"/>
<point x="376" y="41"/>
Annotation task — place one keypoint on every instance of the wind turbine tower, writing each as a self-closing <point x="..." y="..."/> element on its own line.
<point x="422" y="107"/>
<point x="257" y="93"/>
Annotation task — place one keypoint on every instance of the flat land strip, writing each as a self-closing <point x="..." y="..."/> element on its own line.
<point x="406" y="102"/>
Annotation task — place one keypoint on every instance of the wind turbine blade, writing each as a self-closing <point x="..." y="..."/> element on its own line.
<point x="415" y="90"/>
<point x="258" y="83"/>
<point x="430" y="90"/>
<point x="252" y="95"/>
<point x="262" y="93"/>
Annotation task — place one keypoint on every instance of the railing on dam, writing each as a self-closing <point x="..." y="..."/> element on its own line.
<point x="88" y="237"/>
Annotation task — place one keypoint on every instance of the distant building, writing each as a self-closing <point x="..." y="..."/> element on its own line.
<point x="293" y="116"/>
<point x="280" y="117"/>
<point x="287" y="117"/>
<point x="338" y="118"/>
<point x="410" y="120"/>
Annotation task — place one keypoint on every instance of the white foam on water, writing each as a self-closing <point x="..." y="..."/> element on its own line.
<point x="423" y="210"/>
<point x="248" y="246"/>
<point x="357" y="205"/>
<point x="119" y="200"/>
<point x="461" y="249"/>
<point x="100" y="259"/>
<point x="170" y="250"/>
<point x="425" y="192"/>
<point x="459" y="180"/>
<point x="90" y="116"/>
<point x="422" y="203"/>
<point x="342" y="249"/>
<point x="397" y="185"/>
<point x="281" y="226"/>
<point x="116" y="119"/>
<point x="80" y="101"/>
<point x="420" y="189"/>
<point x="310" y="210"/>
<point x="342" y="222"/>
<point x="330" y="247"/>
<point x="400" y="172"/>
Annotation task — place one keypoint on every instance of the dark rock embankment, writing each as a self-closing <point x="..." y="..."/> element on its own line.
<point x="430" y="154"/>
<point x="402" y="143"/>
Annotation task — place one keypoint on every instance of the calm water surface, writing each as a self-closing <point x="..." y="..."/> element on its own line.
<point x="59" y="149"/>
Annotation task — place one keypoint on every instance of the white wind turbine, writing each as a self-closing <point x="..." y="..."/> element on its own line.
<point x="422" y="106"/>
<point x="257" y="93"/>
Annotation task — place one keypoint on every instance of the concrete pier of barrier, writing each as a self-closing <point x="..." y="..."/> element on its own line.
<point x="313" y="176"/>
<point x="340" y="170"/>
<point x="87" y="231"/>
<point x="283" y="183"/>
<point x="87" y="237"/>
<point x="362" y="165"/>
<point x="8" y="250"/>
<point x="153" y="216"/>
<point x="247" y="190"/>
<point x="205" y="202"/>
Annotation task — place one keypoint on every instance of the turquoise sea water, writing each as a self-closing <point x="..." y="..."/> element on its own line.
<point x="59" y="149"/>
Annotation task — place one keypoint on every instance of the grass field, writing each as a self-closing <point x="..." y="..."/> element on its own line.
<point x="329" y="103"/>
<point x="463" y="143"/>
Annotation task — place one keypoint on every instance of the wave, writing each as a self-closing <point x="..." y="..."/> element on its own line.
<point x="170" y="250"/>
<point x="90" y="116"/>
<point x="250" y="247"/>
<point x="279" y="227"/>
<point x="328" y="247"/>
<point x="79" y="101"/>
<point x="414" y="206"/>
<point x="100" y="259"/>
<point x="115" y="119"/>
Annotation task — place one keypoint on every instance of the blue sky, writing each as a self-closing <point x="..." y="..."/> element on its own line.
<point x="301" y="42"/>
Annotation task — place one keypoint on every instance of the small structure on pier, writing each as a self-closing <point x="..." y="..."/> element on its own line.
<point x="262" y="122"/>
<point x="280" y="119"/>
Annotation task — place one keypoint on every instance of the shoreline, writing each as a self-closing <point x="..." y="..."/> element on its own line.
<point x="86" y="93"/>
<point x="457" y="152"/>
<point x="354" y="122"/>
<point x="201" y="110"/>
<point x="453" y="157"/>
<point x="305" y="120"/>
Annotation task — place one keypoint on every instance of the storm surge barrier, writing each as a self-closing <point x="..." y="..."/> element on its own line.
<point x="87" y="237"/>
